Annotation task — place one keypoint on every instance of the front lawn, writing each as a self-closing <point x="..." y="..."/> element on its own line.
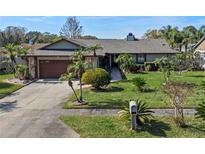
<point x="112" y="127"/>
<point x="7" y="88"/>
<point x="119" y="93"/>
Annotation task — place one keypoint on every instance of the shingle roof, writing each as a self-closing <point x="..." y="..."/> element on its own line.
<point x="34" y="46"/>
<point x="124" y="46"/>
<point x="114" y="46"/>
<point x="56" y="53"/>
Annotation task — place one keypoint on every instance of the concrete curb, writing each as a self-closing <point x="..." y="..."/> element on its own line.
<point x="112" y="112"/>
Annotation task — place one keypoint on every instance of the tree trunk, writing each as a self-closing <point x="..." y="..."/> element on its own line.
<point x="180" y="47"/>
<point x="186" y="46"/>
<point x="74" y="92"/>
<point x="81" y="90"/>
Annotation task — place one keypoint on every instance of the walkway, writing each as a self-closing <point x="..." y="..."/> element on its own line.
<point x="115" y="74"/>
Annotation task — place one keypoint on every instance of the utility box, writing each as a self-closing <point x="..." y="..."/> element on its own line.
<point x="133" y="114"/>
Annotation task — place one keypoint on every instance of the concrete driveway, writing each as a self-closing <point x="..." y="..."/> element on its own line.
<point x="33" y="111"/>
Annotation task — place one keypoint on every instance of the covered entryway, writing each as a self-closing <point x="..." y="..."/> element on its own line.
<point x="52" y="68"/>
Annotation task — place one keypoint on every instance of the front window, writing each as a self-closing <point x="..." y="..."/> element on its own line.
<point x="140" y="58"/>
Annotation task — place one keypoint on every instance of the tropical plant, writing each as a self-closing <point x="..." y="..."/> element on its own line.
<point x="178" y="93"/>
<point x="166" y="66"/>
<point x="152" y="34"/>
<point x="126" y="62"/>
<point x="139" y="83"/>
<point x="12" y="51"/>
<point x="143" y="113"/>
<point x="93" y="49"/>
<point x="200" y="111"/>
<point x="21" y="71"/>
<point x="69" y="77"/>
<point x="78" y="67"/>
<point x="98" y="77"/>
<point x="203" y="84"/>
<point x="76" y="70"/>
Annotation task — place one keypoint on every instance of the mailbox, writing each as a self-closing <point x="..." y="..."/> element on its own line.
<point x="133" y="114"/>
<point x="133" y="107"/>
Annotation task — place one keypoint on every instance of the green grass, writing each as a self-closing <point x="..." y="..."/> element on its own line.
<point x="112" y="127"/>
<point x="7" y="88"/>
<point x="119" y="93"/>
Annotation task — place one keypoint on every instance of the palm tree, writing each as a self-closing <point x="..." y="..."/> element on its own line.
<point x="143" y="113"/>
<point x="200" y="32"/>
<point x="152" y="34"/>
<point x="94" y="49"/>
<point x="69" y="77"/>
<point x="10" y="51"/>
<point x="79" y="66"/>
<point x="165" y="30"/>
<point x="13" y="51"/>
<point x="190" y="33"/>
<point x="126" y="62"/>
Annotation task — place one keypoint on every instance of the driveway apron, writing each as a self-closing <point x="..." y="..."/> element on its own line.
<point x="30" y="111"/>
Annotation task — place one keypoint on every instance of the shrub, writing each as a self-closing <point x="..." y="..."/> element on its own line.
<point x="200" y="111"/>
<point x="178" y="93"/>
<point x="143" y="113"/>
<point x="21" y="71"/>
<point x="125" y="61"/>
<point x="139" y="83"/>
<point x="150" y="66"/>
<point x="137" y="68"/>
<point x="98" y="77"/>
<point x="203" y="84"/>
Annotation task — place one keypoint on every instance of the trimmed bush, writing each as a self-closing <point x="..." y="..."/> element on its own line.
<point x="98" y="77"/>
<point x="150" y="66"/>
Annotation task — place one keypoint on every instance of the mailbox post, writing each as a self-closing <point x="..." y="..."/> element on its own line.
<point x="133" y="114"/>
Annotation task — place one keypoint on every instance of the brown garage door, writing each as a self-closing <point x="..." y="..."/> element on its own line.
<point x="52" y="68"/>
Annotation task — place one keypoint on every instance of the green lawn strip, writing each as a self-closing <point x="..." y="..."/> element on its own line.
<point x="7" y="88"/>
<point x="121" y="92"/>
<point x="112" y="127"/>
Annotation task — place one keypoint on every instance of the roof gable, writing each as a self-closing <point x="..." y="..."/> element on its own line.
<point x="201" y="44"/>
<point x="63" y="44"/>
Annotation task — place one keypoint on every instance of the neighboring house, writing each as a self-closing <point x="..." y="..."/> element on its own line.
<point x="52" y="60"/>
<point x="200" y="50"/>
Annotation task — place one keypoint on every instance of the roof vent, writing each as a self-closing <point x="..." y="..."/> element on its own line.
<point x="130" y="37"/>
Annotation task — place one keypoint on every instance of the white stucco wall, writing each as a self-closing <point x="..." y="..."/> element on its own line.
<point x="63" y="45"/>
<point x="202" y="60"/>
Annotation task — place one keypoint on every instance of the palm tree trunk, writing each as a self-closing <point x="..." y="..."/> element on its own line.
<point x="186" y="47"/>
<point x="81" y="90"/>
<point x="75" y="94"/>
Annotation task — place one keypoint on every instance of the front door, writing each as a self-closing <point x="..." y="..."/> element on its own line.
<point x="114" y="63"/>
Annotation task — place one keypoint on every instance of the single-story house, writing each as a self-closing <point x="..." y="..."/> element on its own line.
<point x="52" y="60"/>
<point x="200" y="49"/>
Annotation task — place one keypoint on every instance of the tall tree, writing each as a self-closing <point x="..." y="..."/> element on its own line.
<point x="200" y="32"/>
<point x="12" y="34"/>
<point x="32" y="37"/>
<point x="38" y="37"/>
<point x="12" y="51"/>
<point x="71" y="28"/>
<point x="152" y="34"/>
<point x="190" y="33"/>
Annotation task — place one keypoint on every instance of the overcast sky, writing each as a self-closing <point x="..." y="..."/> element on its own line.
<point x="101" y="26"/>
